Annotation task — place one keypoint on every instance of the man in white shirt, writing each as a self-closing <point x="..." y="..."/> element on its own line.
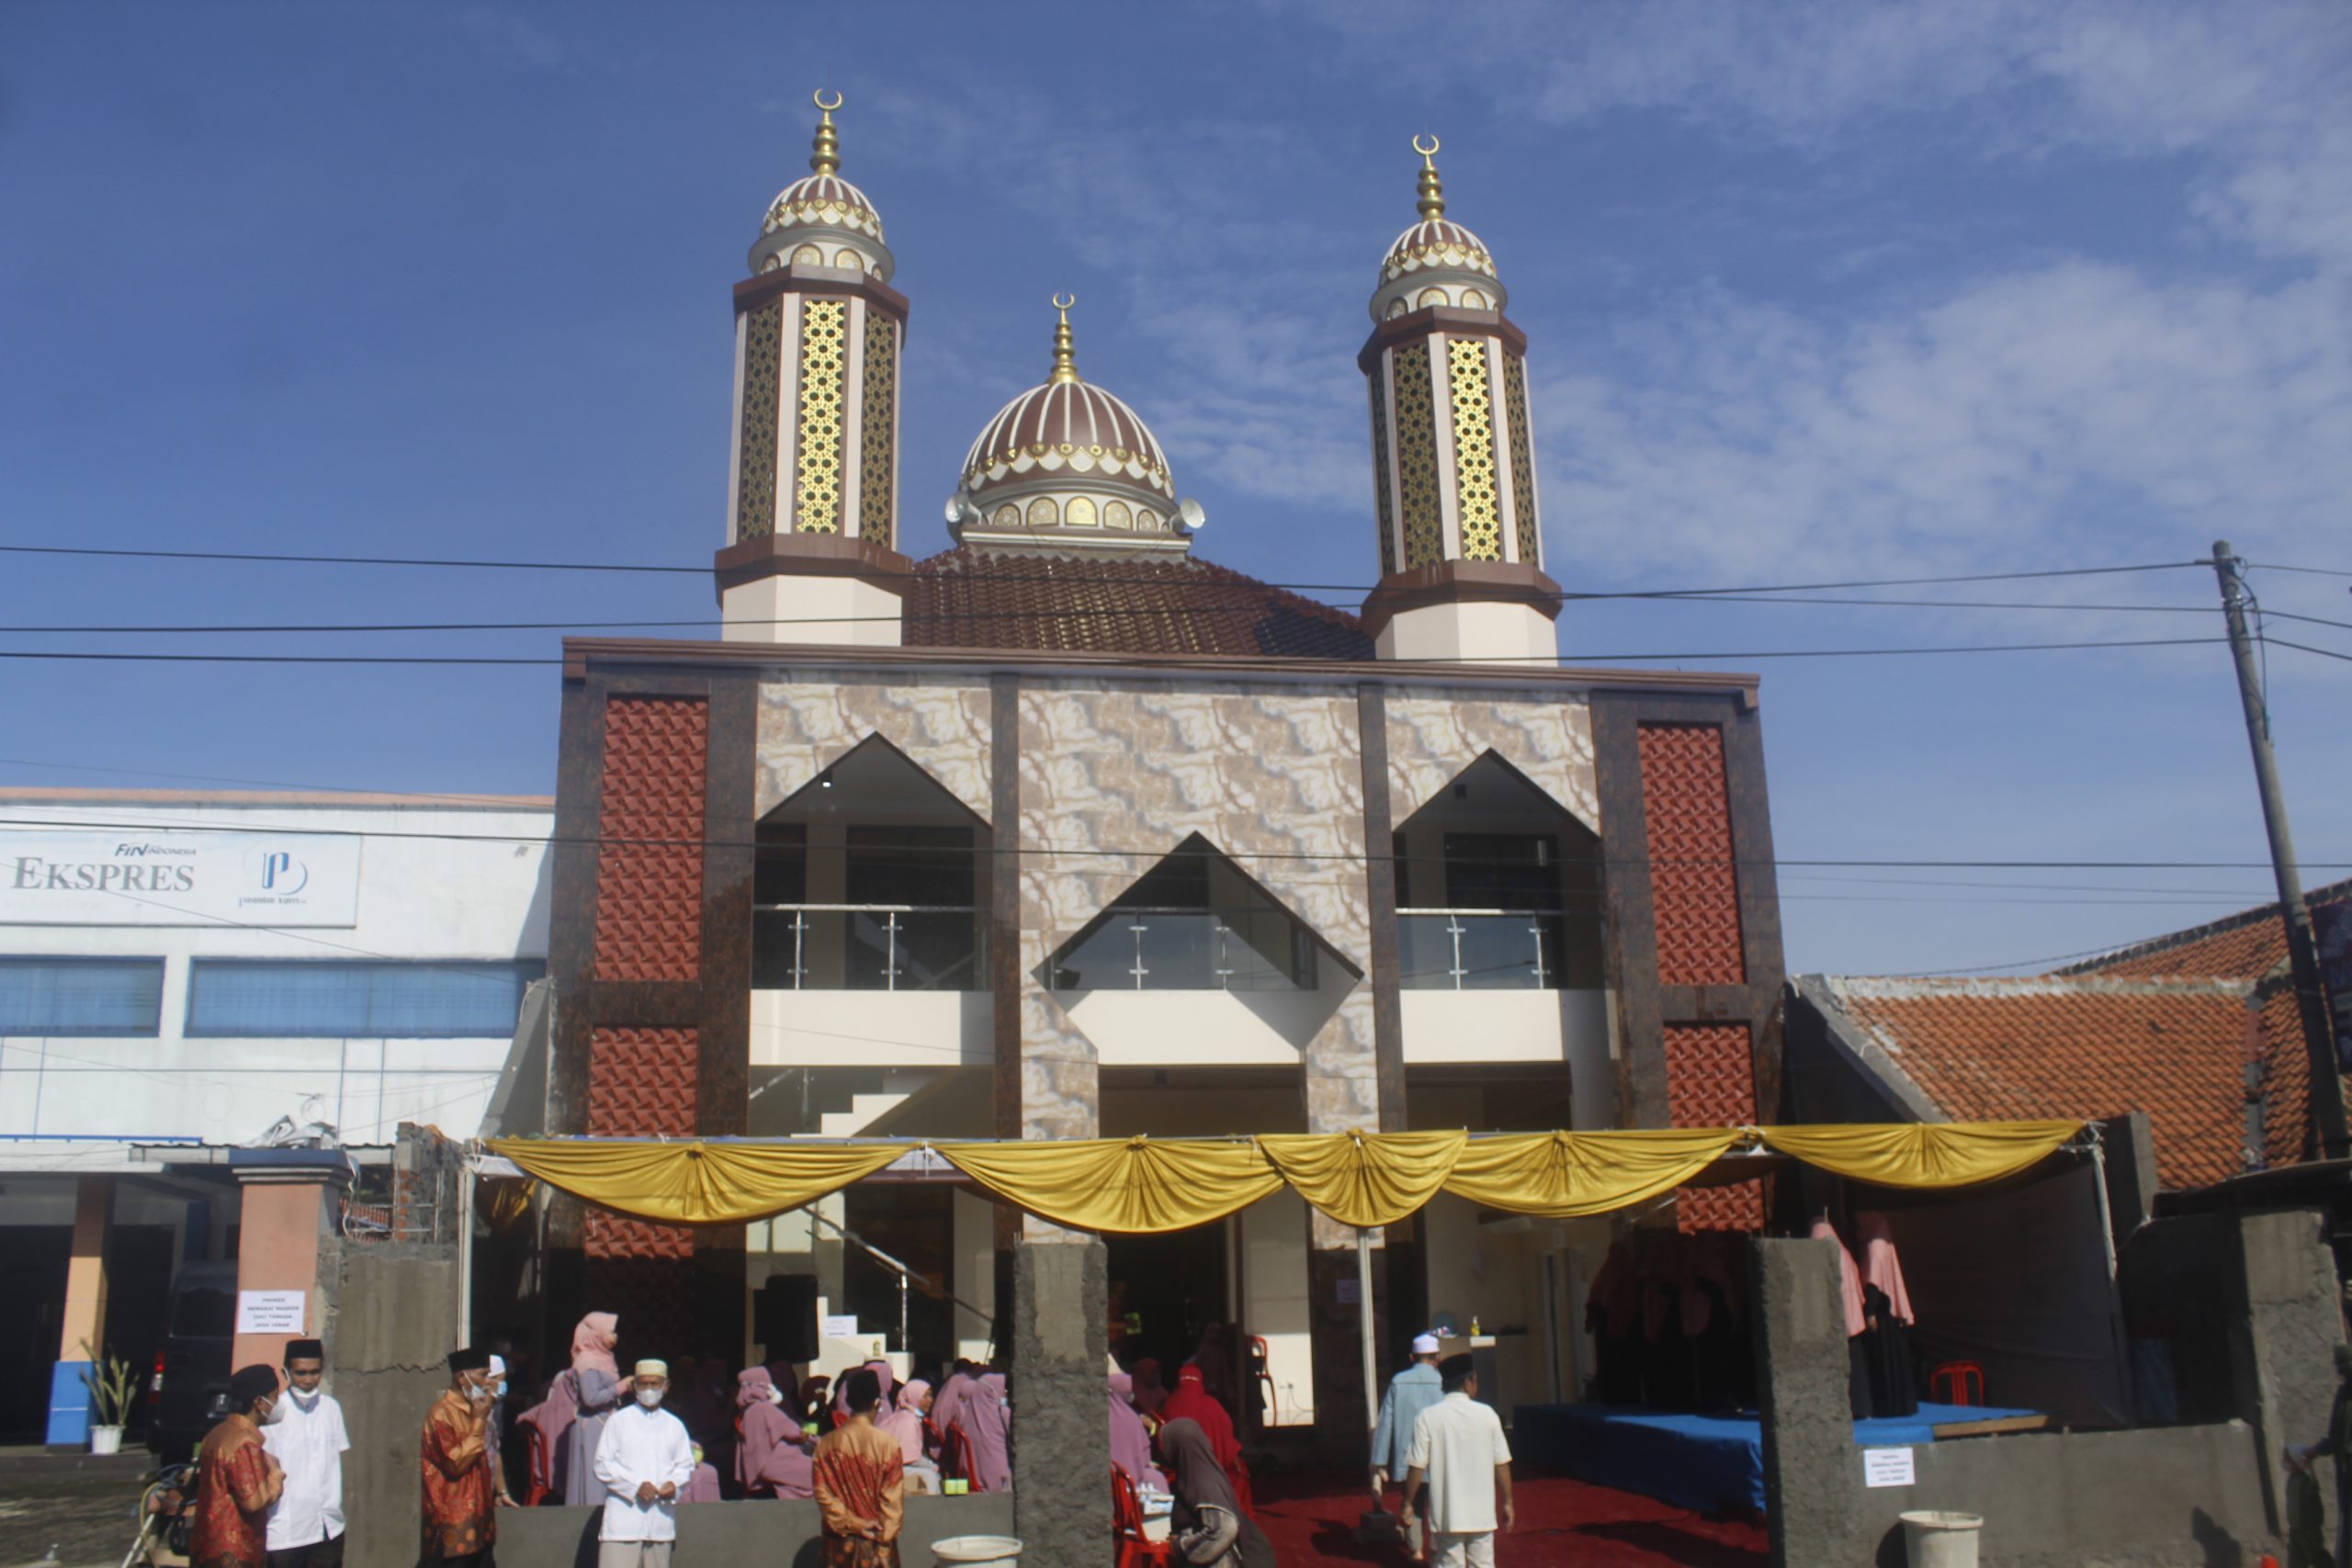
<point x="642" y="1459"/>
<point x="1458" y="1446"/>
<point x="304" y="1434"/>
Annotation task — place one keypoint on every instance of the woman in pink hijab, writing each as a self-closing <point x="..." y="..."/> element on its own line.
<point x="881" y="1370"/>
<point x="600" y="1388"/>
<point x="1850" y="1295"/>
<point x="905" y="1422"/>
<point x="772" y="1460"/>
<point x="1130" y="1443"/>
<point x="1886" y="1312"/>
<point x="987" y="1425"/>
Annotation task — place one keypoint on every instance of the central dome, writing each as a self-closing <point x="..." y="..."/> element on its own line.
<point x="1069" y="463"/>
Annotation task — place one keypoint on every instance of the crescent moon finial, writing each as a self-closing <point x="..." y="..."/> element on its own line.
<point x="1062" y="303"/>
<point x="1428" y="152"/>
<point x="1065" y="356"/>
<point x="1433" y="201"/>
<point x="818" y="98"/>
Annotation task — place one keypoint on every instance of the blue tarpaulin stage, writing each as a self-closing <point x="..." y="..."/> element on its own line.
<point x="1700" y="1462"/>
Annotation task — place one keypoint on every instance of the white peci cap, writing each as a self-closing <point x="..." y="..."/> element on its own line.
<point x="1424" y="1344"/>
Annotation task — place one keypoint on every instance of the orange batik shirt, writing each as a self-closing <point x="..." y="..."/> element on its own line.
<point x="236" y="1482"/>
<point x="460" y="1491"/>
<point x="859" y="1473"/>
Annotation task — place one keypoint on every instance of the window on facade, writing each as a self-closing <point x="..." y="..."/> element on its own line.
<point x="1498" y="889"/>
<point x="1193" y="923"/>
<point x="81" y="996"/>
<point x="392" y="1000"/>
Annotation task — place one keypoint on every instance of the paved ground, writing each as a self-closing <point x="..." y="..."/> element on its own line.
<point x="88" y="1521"/>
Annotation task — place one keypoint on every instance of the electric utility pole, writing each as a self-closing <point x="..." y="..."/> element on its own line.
<point x="2303" y="955"/>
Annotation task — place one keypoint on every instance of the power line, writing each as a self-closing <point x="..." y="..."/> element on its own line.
<point x="2269" y="641"/>
<point x="2307" y="570"/>
<point x="804" y="653"/>
<point x="453" y="563"/>
<point x="1113" y="852"/>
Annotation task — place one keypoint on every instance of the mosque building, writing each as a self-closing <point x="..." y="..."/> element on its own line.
<point x="1067" y="832"/>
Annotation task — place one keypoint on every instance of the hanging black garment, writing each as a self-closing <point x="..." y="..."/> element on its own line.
<point x="1886" y="1351"/>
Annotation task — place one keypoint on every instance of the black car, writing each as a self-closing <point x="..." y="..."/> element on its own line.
<point x="190" y="1391"/>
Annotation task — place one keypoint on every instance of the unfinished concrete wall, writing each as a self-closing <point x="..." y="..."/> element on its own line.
<point x="2292" y="1323"/>
<point x="1810" y="1466"/>
<point x="1061" y="1447"/>
<point x="395" y="1325"/>
<point x="770" y="1534"/>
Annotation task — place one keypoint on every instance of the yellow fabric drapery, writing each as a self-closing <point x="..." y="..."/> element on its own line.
<point x="697" y="1183"/>
<point x="1370" y="1178"/>
<point x="1928" y="1154"/>
<point x="1125" y="1186"/>
<point x="1565" y="1174"/>
<point x="1129" y="1186"/>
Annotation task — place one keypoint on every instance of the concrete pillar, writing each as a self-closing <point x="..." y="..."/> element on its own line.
<point x="396" y="1324"/>
<point x="1061" y="1443"/>
<point x="2293" y="1324"/>
<point x="287" y="1208"/>
<point x="1811" y="1469"/>
<point x="81" y="1339"/>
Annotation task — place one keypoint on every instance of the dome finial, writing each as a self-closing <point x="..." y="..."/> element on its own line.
<point x="1065" y="357"/>
<point x="1433" y="202"/>
<point x="825" y="153"/>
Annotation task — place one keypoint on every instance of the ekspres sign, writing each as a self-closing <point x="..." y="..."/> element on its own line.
<point x="178" y="879"/>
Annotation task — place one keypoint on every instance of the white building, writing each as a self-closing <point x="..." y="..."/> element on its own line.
<point x="180" y="970"/>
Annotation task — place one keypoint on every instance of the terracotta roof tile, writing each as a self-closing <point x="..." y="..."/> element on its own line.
<point x="2246" y="945"/>
<point x="2049" y="1046"/>
<point x="970" y="598"/>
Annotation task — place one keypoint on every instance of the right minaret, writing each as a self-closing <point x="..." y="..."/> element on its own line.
<point x="1453" y="461"/>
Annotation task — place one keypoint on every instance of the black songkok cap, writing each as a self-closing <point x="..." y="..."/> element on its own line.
<point x="469" y="1359"/>
<point x="304" y="1350"/>
<point x="1455" y="1370"/>
<point x="863" y="1390"/>
<point x="249" y="1384"/>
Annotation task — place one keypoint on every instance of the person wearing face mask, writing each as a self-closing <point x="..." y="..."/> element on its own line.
<point x="460" y="1493"/>
<point x="643" y="1460"/>
<point x="236" y="1479"/>
<point x="494" y="1434"/>
<point x="304" y="1434"/>
<point x="772" y="1456"/>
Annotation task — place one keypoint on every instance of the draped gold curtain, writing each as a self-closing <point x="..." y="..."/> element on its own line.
<point x="1130" y="1185"/>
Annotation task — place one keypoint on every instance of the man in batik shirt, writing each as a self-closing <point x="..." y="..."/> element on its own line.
<point x="460" y="1487"/>
<point x="236" y="1480"/>
<point x="860" y="1471"/>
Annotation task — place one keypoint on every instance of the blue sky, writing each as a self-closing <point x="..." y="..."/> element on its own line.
<point x="1813" y="293"/>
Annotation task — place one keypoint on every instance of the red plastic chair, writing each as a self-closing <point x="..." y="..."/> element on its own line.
<point x="542" y="1482"/>
<point x="1957" y="1382"/>
<point x="955" y="1458"/>
<point x="1134" y="1550"/>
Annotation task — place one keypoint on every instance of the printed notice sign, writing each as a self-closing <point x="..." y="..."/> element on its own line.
<point x="271" y="1312"/>
<point x="1887" y="1467"/>
<point x="832" y="1327"/>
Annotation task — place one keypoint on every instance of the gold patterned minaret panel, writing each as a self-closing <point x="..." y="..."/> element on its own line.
<point x="813" y="494"/>
<point x="1453" y="461"/>
<point x="818" y="335"/>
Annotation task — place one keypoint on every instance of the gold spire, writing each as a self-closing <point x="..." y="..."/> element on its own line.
<point x="825" y="155"/>
<point x="1433" y="202"/>
<point x="1065" y="357"/>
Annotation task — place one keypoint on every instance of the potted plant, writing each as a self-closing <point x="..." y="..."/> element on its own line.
<point x="111" y="1391"/>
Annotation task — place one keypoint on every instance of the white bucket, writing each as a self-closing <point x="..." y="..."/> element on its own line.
<point x="977" y="1550"/>
<point x="1937" y="1540"/>
<point x="106" y="1439"/>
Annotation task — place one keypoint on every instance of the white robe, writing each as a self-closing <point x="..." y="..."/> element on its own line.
<point x="642" y="1445"/>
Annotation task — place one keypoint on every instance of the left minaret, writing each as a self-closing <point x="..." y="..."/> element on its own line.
<point x="813" y="476"/>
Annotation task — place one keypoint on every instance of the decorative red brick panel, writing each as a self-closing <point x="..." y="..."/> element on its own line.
<point x="641" y="1083"/>
<point x="1694" y="886"/>
<point x="648" y="866"/>
<point x="1710" y="1082"/>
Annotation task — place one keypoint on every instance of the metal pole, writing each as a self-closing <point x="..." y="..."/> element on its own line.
<point x="1363" y="1322"/>
<point x="2302" y="957"/>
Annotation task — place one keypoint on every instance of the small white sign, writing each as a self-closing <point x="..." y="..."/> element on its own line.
<point x="1887" y="1467"/>
<point x="271" y="1312"/>
<point x="832" y="1327"/>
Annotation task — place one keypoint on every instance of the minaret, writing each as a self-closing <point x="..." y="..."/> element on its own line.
<point x="1454" y="463"/>
<point x="813" y="476"/>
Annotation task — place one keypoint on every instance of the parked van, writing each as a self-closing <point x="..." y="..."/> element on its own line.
<point x="190" y="1391"/>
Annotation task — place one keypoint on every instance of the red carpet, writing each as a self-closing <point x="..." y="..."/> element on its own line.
<point x="1311" y="1518"/>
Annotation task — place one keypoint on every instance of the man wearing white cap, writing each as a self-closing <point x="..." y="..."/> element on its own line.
<point x="1411" y="1392"/>
<point x="642" y="1460"/>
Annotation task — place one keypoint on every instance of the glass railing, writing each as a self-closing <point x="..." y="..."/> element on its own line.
<point x="868" y="947"/>
<point x="1189" y="949"/>
<point x="1485" y="949"/>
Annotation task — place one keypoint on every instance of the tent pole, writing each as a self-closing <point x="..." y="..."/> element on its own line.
<point x="1363" y="1322"/>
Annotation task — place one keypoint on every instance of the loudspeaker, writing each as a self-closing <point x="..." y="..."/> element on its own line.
<point x="783" y="1319"/>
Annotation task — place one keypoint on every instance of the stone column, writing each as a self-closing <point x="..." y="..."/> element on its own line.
<point x="1810" y="1466"/>
<point x="288" y="1207"/>
<point x="81" y="1339"/>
